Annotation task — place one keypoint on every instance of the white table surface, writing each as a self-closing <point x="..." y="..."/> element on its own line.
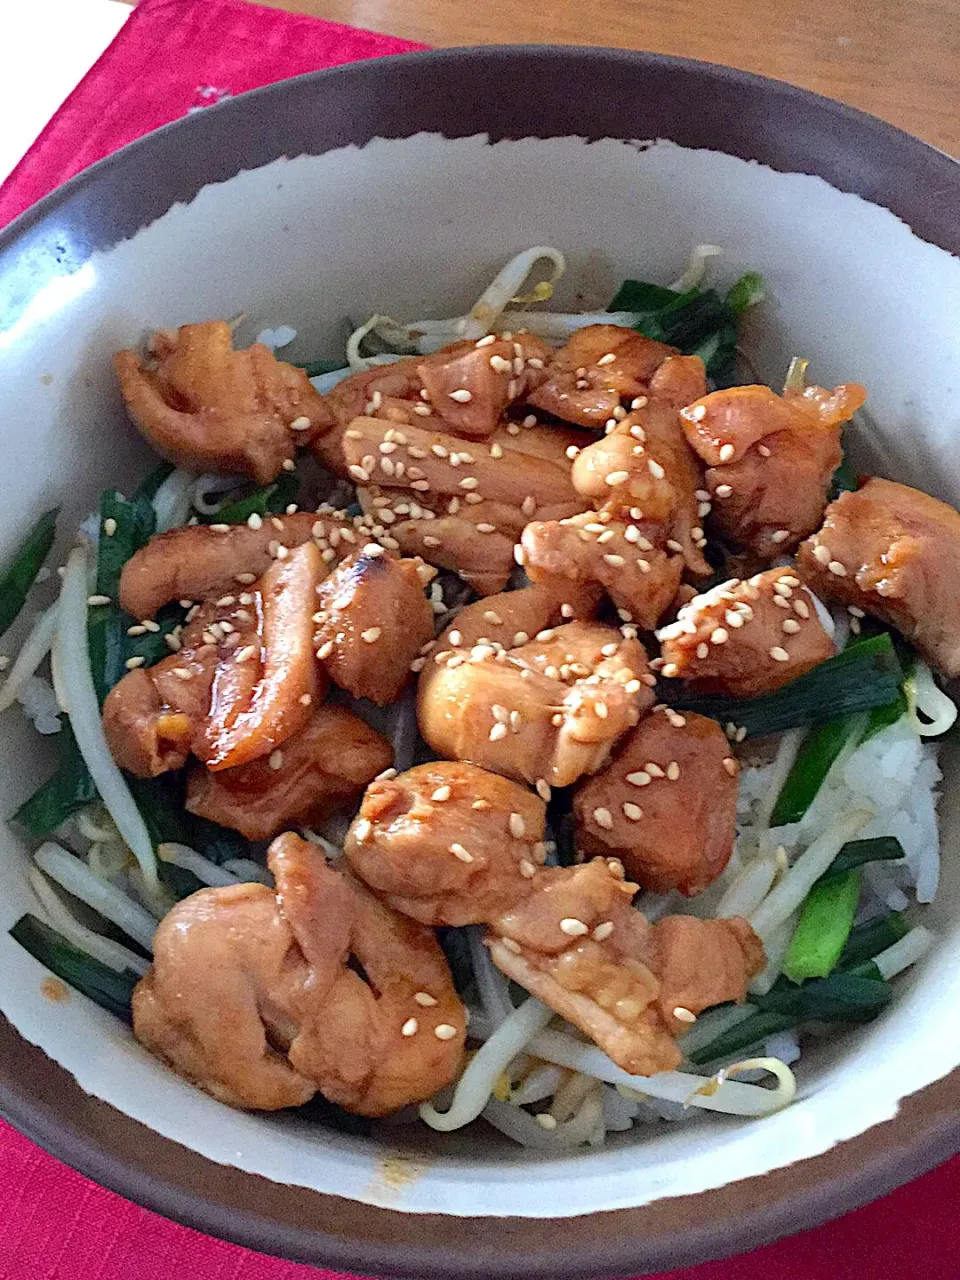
<point x="46" y="48"/>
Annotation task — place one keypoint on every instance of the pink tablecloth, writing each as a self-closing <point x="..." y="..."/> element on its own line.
<point x="174" y="55"/>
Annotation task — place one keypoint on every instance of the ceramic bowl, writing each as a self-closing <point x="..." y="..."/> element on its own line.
<point x="400" y="186"/>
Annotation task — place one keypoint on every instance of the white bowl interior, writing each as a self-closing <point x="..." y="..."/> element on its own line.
<point x="415" y="228"/>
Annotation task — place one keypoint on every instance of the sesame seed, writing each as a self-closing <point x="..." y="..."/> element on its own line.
<point x="245" y="579"/>
<point x="730" y="765"/>
<point x="300" y="424"/>
<point x="444" y="1031"/>
<point x="684" y="1015"/>
<point x="822" y="555"/>
<point x="497" y="732"/>
<point x="763" y="451"/>
<point x="499" y="365"/>
<point x="655" y="469"/>
<point x="782" y="588"/>
<point x="306" y="699"/>
<point x="469" y="482"/>
<point x="460" y="852"/>
<point x="673" y="771"/>
<point x="632" y="686"/>
<point x="98" y="600"/>
<point x="779" y="655"/>
<point x="600" y="708"/>
<point x="616" y="561"/>
<point x="324" y="651"/>
<point x="790" y="626"/>
<point x="362" y="830"/>
<point x="461" y="395"/>
<point x="518" y="828"/>
<point x="529" y="505"/>
<point x="854" y="611"/>
<point x="358" y="473"/>
<point x="289" y="464"/>
<point x="780" y="535"/>
<point x="372" y="551"/>
<point x="441" y="794"/>
<point x="571" y="451"/>
<point x="608" y="358"/>
<point x="837" y="569"/>
<point x="632" y="812"/>
<point x="425" y="1000"/>
<point x="371" y="635"/>
<point x="617" y="477"/>
<point x="109" y="526"/>
<point x="132" y="663"/>
<point x="603" y="818"/>
<point x="520" y="554"/>
<point x="410" y="1027"/>
<point x="527" y="869"/>
<point x="546" y="1121"/>
<point x="670" y="669"/>
<point x="220" y="528"/>
<point x="780" y="601"/>
<point x="726" y="452"/>
<point x="573" y="927"/>
<point x="673" y="545"/>
<point x="723" y="491"/>
<point x="487" y="341"/>
<point x="183" y="673"/>
<point x="138" y="630"/>
<point x="719" y="636"/>
<point x="543" y="789"/>
<point x="741" y="733"/>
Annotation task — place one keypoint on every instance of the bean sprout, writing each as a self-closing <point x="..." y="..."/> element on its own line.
<point x="81" y="697"/>
<point x="476" y="1084"/>
<point x="32" y="652"/>
<point x="925" y="695"/>
<point x="530" y="1132"/>
<point x="108" y="952"/>
<point x="784" y="762"/>
<point x="209" y="483"/>
<point x="696" y="267"/>
<point x="748" y="889"/>
<point x="172" y="501"/>
<point x="106" y="899"/>
<point x="799" y="879"/>
<point x="181" y="855"/>
<point x="506" y="284"/>
<point x="912" y="947"/>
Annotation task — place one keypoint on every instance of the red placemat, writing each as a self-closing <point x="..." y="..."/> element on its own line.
<point x="173" y="56"/>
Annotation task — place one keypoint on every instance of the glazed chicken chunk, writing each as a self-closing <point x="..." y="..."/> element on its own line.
<point x="321" y="769"/>
<point x="547" y="708"/>
<point x="464" y="508"/>
<point x="447" y="843"/>
<point x="577" y="944"/>
<point x="198" y="561"/>
<point x="666" y="803"/>
<point x="470" y="384"/>
<point x="243" y="680"/>
<point x="601" y="366"/>
<point x="746" y="637"/>
<point x="893" y="552"/>
<point x="372" y="620"/>
<point x="769" y="459"/>
<point x="594" y="549"/>
<point x="206" y="407"/>
<point x="263" y="998"/>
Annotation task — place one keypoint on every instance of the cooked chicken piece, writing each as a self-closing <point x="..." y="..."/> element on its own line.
<point x="512" y="617"/>
<point x="470" y="384"/>
<point x="701" y="963"/>
<point x="372" y="620"/>
<point x="204" y="406"/>
<point x="679" y="381"/>
<point x="468" y="523"/>
<point x="548" y="709"/>
<point x="595" y="549"/>
<point x="770" y="459"/>
<point x="447" y="843"/>
<point x="259" y="702"/>
<point x="318" y="771"/>
<point x="893" y="552"/>
<point x="396" y="386"/>
<point x="444" y="466"/>
<point x="600" y="366"/>
<point x="576" y="943"/>
<point x="666" y="804"/>
<point x="156" y="716"/>
<point x="221" y="998"/>
<point x="258" y="997"/>
<point x="746" y="638"/>
<point x="645" y="472"/>
<point x="198" y="561"/>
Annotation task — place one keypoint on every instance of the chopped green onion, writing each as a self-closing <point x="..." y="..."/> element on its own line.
<point x="69" y="789"/>
<point x="147" y="488"/>
<point x="27" y="561"/>
<point x="823" y="928"/>
<point x="852" y="995"/>
<point x="844" y="479"/>
<point x="870" y="938"/>
<point x="856" y="853"/>
<point x="866" y="674"/>
<point x="818" y="753"/>
<point x="746" y="292"/>
<point x="105" y="986"/>
<point x="745" y="1033"/>
<point x="272" y="499"/>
